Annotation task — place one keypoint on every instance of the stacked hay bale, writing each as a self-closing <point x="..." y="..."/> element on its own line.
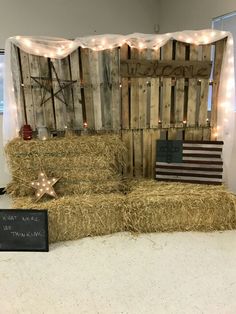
<point x="96" y="200"/>
<point x="159" y="206"/>
<point x="80" y="216"/>
<point x="85" y="164"/>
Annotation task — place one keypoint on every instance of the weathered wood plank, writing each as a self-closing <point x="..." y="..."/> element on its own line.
<point x="179" y="89"/>
<point x="138" y="160"/>
<point x="192" y="91"/>
<point x="60" y="107"/>
<point x="142" y="94"/>
<point x="219" y="52"/>
<point x="18" y="86"/>
<point x="155" y="135"/>
<point x="203" y="106"/>
<point x="134" y="105"/>
<point x="147" y="153"/>
<point x="127" y="138"/>
<point x="166" y="105"/>
<point x="36" y="92"/>
<point x="88" y="90"/>
<point x="47" y="98"/>
<point x="96" y="81"/>
<point x="154" y="98"/>
<point x="68" y="92"/>
<point x="124" y="91"/>
<point x="115" y="92"/>
<point x="106" y="88"/>
<point x="76" y="88"/>
<point x="29" y="108"/>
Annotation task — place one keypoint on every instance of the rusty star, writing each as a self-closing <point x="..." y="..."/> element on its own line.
<point x="44" y="185"/>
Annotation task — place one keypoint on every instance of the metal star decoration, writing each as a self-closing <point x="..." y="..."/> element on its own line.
<point x="44" y="185"/>
<point x="46" y="84"/>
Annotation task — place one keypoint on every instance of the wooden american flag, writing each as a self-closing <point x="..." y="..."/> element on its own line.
<point x="201" y="163"/>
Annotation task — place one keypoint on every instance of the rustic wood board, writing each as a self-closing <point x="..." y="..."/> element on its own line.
<point x="18" y="88"/>
<point x="76" y="90"/>
<point x="96" y="82"/>
<point x="106" y="88"/>
<point x="134" y="90"/>
<point x="88" y="89"/>
<point x="47" y="96"/>
<point x="179" y="88"/>
<point x="36" y="92"/>
<point x="192" y="92"/>
<point x="115" y="93"/>
<point x="125" y="116"/>
<point x="195" y="134"/>
<point x="155" y="135"/>
<point x="219" y="52"/>
<point x="203" y="106"/>
<point x="154" y="98"/>
<point x="60" y="107"/>
<point x="29" y="108"/>
<point x="127" y="138"/>
<point x="147" y="153"/>
<point x="138" y="157"/>
<point x="166" y="99"/>
<point x="65" y="74"/>
<point x="142" y="103"/>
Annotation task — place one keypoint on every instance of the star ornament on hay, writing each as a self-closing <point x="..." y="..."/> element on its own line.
<point x="44" y="185"/>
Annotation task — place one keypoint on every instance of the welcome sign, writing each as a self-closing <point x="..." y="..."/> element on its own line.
<point x="177" y="69"/>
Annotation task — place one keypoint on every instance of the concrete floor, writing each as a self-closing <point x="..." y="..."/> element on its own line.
<point x="153" y="273"/>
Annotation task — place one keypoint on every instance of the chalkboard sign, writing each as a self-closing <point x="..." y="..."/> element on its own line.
<point x="23" y="230"/>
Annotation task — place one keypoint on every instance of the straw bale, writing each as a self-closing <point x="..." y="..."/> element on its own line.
<point x="160" y="206"/>
<point x="74" y="217"/>
<point x="86" y="164"/>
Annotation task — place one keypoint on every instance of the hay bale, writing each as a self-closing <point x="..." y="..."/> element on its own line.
<point x="74" y="217"/>
<point x="159" y="206"/>
<point x="86" y="164"/>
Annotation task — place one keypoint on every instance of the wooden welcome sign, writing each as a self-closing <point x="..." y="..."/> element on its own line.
<point x="178" y="69"/>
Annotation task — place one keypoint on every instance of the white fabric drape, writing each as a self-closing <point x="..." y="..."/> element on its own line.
<point x="60" y="48"/>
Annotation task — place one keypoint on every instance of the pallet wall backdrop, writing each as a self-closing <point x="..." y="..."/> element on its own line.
<point x="141" y="109"/>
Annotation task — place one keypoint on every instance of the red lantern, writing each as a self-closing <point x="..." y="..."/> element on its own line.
<point x="27" y="132"/>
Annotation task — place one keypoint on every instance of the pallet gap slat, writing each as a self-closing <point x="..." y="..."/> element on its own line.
<point x="88" y="90"/>
<point x="142" y="97"/>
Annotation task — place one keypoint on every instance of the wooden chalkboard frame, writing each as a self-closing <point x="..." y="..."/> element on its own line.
<point x="45" y="225"/>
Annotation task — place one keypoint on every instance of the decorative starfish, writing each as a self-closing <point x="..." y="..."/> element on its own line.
<point x="48" y="83"/>
<point x="44" y="185"/>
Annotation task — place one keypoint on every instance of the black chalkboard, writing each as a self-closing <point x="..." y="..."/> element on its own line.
<point x="23" y="230"/>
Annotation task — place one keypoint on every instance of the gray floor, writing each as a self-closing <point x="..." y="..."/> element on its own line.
<point x="152" y="273"/>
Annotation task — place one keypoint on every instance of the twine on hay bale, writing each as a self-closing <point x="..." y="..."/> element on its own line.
<point x="159" y="206"/>
<point x="86" y="164"/>
<point x="74" y="217"/>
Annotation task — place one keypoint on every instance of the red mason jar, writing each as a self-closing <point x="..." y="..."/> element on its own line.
<point x="27" y="132"/>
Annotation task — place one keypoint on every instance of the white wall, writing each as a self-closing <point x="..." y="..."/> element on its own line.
<point x="191" y="14"/>
<point x="70" y="19"/>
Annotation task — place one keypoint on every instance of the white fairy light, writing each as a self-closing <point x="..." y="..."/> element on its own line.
<point x="141" y="45"/>
<point x="27" y="42"/>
